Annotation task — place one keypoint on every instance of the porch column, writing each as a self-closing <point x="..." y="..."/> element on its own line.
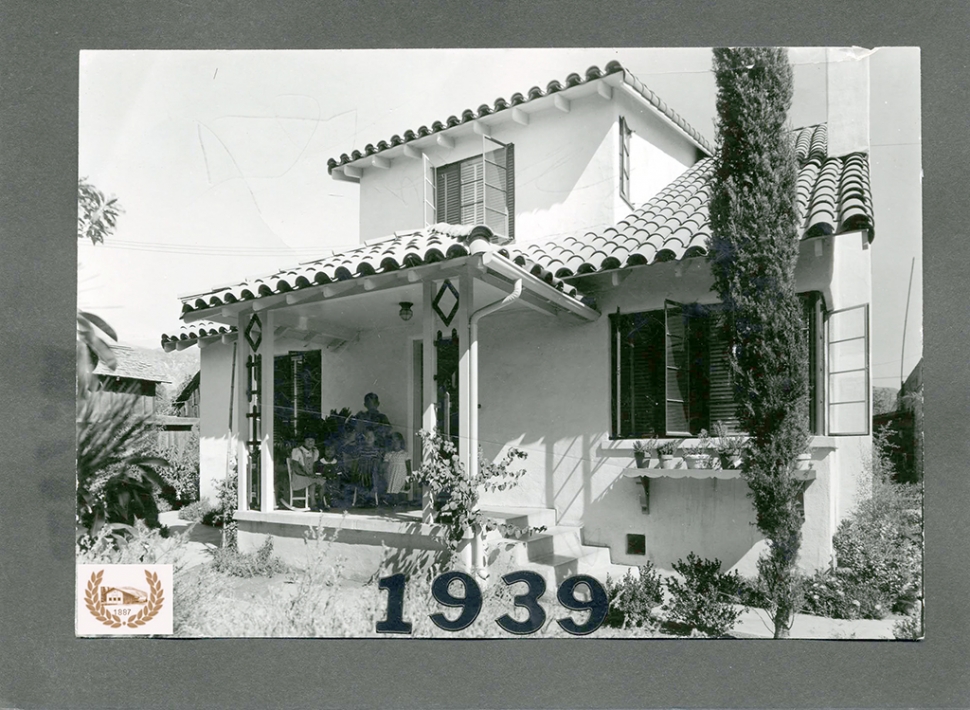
<point x="241" y="430"/>
<point x="467" y="438"/>
<point x="430" y="394"/>
<point x="267" y="480"/>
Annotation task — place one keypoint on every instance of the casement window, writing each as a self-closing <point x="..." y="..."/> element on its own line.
<point x="296" y="389"/>
<point x="625" y="134"/>
<point x="478" y="190"/>
<point x="671" y="374"/>
<point x="847" y="355"/>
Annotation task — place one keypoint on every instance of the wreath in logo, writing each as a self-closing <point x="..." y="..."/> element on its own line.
<point x="92" y="599"/>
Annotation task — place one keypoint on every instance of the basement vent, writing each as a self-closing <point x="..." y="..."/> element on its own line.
<point x="636" y="544"/>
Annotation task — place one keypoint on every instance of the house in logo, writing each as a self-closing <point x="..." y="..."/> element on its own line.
<point x="531" y="274"/>
<point x="122" y="595"/>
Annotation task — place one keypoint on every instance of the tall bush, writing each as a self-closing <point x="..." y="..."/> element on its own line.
<point x="753" y="251"/>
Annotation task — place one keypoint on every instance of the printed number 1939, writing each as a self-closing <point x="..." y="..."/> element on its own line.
<point x="470" y="603"/>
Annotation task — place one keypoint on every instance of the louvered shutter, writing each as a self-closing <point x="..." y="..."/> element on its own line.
<point x="722" y="405"/>
<point x="812" y="333"/>
<point x="510" y="189"/>
<point x="430" y="201"/>
<point x="448" y="193"/>
<point x="638" y="374"/>
<point x="677" y="370"/>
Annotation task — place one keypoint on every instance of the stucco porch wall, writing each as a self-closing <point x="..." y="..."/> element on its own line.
<point x="362" y="546"/>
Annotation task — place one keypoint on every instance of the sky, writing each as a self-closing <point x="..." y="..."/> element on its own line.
<point x="219" y="160"/>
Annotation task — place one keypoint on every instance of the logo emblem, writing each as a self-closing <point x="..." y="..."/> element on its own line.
<point x="124" y="599"/>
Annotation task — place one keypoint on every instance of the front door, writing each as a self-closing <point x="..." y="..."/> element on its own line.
<point x="446" y="380"/>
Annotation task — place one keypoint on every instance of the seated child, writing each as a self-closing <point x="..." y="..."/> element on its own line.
<point x="395" y="463"/>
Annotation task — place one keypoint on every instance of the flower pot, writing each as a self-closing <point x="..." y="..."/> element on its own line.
<point x="730" y="462"/>
<point x="641" y="458"/>
<point x="804" y="462"/>
<point x="668" y="461"/>
<point x="695" y="461"/>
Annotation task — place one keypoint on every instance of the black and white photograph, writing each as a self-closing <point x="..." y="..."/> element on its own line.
<point x="504" y="343"/>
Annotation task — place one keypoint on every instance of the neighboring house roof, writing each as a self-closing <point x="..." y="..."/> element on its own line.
<point x="833" y="197"/>
<point x="136" y="364"/>
<point x="437" y="243"/>
<point x="517" y="99"/>
<point x="189" y="387"/>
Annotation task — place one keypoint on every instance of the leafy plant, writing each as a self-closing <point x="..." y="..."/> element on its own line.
<point x="669" y="448"/>
<point x="634" y="597"/>
<point x="261" y="563"/>
<point x="196" y="512"/>
<point x="182" y="472"/>
<point x="729" y="447"/>
<point x="704" y="600"/>
<point x="117" y="468"/>
<point x="701" y="448"/>
<point x="223" y="515"/>
<point x="643" y="447"/>
<point x="753" y="252"/>
<point x="909" y="628"/>
<point x="455" y="493"/>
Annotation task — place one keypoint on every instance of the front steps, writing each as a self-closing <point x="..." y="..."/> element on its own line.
<point x="556" y="553"/>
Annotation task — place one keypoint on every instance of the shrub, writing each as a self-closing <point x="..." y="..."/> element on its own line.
<point x="752" y="592"/>
<point x="909" y="628"/>
<point x="182" y="472"/>
<point x="879" y="548"/>
<point x="223" y="515"/>
<point x="704" y="599"/>
<point x="140" y="545"/>
<point x="196" y="512"/>
<point x="633" y="598"/>
<point x="260" y="563"/>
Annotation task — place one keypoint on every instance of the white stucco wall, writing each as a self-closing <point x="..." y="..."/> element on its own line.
<point x="546" y="390"/>
<point x="566" y="170"/>
<point x="214" y="437"/>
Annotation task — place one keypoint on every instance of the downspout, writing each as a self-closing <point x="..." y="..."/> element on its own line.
<point x="477" y="541"/>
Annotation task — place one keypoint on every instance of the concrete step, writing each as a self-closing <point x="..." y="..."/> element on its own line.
<point x="522" y="517"/>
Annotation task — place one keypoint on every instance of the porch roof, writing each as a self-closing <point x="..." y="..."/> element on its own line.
<point x="438" y="243"/>
<point x="833" y="195"/>
<point x="594" y="73"/>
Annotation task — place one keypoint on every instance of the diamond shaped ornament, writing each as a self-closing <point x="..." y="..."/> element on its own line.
<point x="442" y="300"/>
<point x="254" y="332"/>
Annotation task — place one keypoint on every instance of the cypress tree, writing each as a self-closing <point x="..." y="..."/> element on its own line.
<point x="754" y="248"/>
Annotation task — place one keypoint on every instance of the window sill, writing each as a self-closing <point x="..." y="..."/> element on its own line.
<point x="701" y="473"/>
<point x="624" y="447"/>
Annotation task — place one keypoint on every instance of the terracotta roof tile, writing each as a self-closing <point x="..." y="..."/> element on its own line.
<point x="135" y="363"/>
<point x="517" y="99"/>
<point x="833" y="196"/>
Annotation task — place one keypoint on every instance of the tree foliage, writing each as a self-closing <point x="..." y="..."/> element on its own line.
<point x="754" y="248"/>
<point x="97" y="214"/>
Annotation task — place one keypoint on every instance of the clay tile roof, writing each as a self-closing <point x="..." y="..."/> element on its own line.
<point x="517" y="99"/>
<point x="136" y="364"/>
<point x="196" y="331"/>
<point x="833" y="196"/>
<point x="439" y="242"/>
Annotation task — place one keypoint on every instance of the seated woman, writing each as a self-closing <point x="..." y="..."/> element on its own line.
<point x="302" y="464"/>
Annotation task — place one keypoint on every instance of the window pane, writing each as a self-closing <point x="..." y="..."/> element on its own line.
<point x="848" y="418"/>
<point x="847" y="387"/>
<point x="847" y="355"/>
<point x="847" y="324"/>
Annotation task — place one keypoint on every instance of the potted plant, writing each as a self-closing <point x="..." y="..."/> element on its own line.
<point x="641" y="451"/>
<point x="804" y="461"/>
<point x="698" y="456"/>
<point x="666" y="453"/>
<point x="729" y="447"/>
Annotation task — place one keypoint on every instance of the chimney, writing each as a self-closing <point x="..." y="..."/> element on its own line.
<point x="847" y="83"/>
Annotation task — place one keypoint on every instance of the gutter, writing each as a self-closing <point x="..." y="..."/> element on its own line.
<point x="478" y="562"/>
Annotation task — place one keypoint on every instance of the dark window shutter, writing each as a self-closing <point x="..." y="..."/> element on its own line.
<point x="722" y="402"/>
<point x="510" y="188"/>
<point x="638" y="374"/>
<point x="448" y="193"/>
<point x="677" y="368"/>
<point x="811" y="333"/>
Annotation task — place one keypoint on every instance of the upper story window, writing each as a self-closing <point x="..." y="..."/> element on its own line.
<point x="478" y="190"/>
<point x="625" y="134"/>
<point x="671" y="376"/>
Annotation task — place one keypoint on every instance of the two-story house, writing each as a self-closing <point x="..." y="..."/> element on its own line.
<point x="531" y="275"/>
